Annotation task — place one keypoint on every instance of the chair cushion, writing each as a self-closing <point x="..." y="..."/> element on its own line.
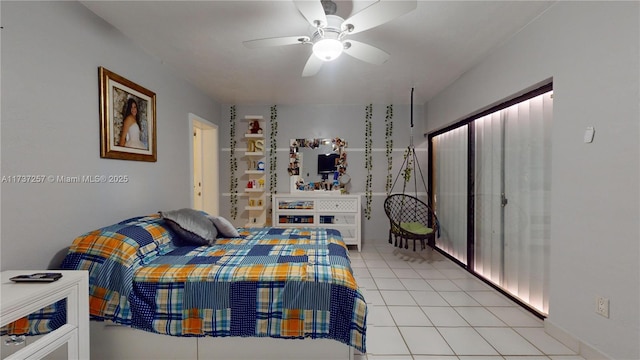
<point x="416" y="228"/>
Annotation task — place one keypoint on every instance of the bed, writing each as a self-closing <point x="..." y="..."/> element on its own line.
<point x="262" y="289"/>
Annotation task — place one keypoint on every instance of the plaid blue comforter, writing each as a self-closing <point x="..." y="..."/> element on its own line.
<point x="270" y="282"/>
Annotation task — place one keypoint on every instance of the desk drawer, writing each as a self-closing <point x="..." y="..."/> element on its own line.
<point x="337" y="205"/>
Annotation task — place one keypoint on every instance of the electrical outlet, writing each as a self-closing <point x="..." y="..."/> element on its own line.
<point x="602" y="306"/>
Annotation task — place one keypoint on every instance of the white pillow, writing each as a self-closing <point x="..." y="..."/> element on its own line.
<point x="224" y="226"/>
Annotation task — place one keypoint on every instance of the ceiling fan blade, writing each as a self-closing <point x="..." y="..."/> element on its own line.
<point x="277" y="41"/>
<point x="312" y="66"/>
<point x="312" y="11"/>
<point x="365" y="52"/>
<point x="377" y="14"/>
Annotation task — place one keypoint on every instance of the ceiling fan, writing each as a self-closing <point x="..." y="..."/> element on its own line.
<point x="329" y="32"/>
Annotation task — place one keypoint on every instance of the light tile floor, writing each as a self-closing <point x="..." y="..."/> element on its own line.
<point x="422" y="306"/>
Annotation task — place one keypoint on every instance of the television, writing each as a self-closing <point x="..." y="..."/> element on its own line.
<point x="327" y="164"/>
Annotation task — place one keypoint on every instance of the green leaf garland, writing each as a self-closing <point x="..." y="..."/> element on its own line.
<point x="233" y="180"/>
<point x="388" y="137"/>
<point x="406" y="173"/>
<point x="368" y="160"/>
<point x="273" y="158"/>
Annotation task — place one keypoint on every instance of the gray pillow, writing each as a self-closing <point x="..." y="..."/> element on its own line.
<point x="193" y="227"/>
<point x="224" y="226"/>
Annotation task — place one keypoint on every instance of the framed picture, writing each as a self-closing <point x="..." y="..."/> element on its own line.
<point x="127" y="119"/>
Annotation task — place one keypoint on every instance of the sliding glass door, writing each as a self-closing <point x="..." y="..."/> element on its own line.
<point x="512" y="198"/>
<point x="450" y="191"/>
<point x="489" y="236"/>
<point x="508" y="202"/>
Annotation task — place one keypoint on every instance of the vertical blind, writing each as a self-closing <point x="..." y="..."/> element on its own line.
<point x="488" y="210"/>
<point x="512" y="202"/>
<point x="450" y="150"/>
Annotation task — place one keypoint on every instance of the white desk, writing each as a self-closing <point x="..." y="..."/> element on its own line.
<point x="20" y="300"/>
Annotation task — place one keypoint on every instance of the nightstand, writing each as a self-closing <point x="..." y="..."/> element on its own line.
<point x="20" y="300"/>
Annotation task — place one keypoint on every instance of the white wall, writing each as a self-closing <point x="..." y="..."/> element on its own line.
<point x="591" y="50"/>
<point x="50" y="126"/>
<point x="327" y="121"/>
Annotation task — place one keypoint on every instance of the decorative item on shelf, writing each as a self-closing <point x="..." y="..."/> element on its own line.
<point x="343" y="178"/>
<point x="300" y="185"/>
<point x="258" y="145"/>
<point x="250" y="185"/>
<point x="252" y="165"/>
<point x="259" y="166"/>
<point x="260" y="202"/>
<point x="233" y="180"/>
<point x="251" y="146"/>
<point x="254" y="127"/>
<point x="252" y="202"/>
<point x="261" y="183"/>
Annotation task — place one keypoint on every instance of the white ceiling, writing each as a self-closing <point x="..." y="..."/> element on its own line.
<point x="430" y="47"/>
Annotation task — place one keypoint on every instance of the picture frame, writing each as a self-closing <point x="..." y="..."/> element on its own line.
<point x="127" y="119"/>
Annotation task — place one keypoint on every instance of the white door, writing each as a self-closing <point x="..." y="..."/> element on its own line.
<point x="204" y="164"/>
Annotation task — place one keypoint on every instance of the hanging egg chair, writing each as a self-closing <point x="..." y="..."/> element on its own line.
<point x="409" y="217"/>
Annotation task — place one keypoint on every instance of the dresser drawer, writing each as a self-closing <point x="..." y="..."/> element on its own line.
<point x="337" y="205"/>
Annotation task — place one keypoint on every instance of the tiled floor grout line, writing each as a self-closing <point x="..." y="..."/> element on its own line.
<point x="367" y="259"/>
<point x="505" y="325"/>
<point x="406" y="343"/>
<point x="387" y="306"/>
<point x="480" y="334"/>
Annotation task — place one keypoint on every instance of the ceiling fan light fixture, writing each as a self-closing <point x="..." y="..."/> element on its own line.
<point x="328" y="49"/>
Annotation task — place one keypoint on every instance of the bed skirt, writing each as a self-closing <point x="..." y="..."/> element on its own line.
<point x="111" y="341"/>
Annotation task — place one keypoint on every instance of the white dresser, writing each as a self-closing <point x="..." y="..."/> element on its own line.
<point x="20" y="300"/>
<point x="318" y="209"/>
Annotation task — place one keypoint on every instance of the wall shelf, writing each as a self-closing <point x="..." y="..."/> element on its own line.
<point x="254" y="152"/>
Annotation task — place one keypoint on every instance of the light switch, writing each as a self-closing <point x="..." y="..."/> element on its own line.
<point x="588" y="134"/>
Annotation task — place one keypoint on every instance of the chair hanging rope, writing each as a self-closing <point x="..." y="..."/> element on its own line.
<point x="409" y="217"/>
